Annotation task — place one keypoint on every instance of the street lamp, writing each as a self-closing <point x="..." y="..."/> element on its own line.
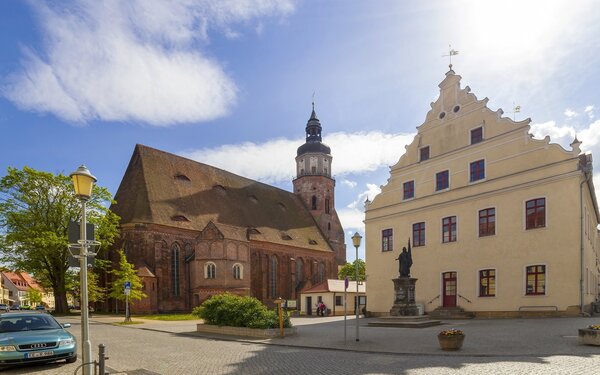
<point x="83" y="182"/>
<point x="356" y="242"/>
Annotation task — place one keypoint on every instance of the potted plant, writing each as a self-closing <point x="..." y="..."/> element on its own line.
<point x="590" y="335"/>
<point x="451" y="339"/>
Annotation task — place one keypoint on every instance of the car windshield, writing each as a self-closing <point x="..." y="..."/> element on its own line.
<point x="27" y="323"/>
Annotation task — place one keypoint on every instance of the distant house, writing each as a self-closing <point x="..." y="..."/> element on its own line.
<point x="331" y="293"/>
<point x="3" y="292"/>
<point x="19" y="284"/>
<point x="17" y="288"/>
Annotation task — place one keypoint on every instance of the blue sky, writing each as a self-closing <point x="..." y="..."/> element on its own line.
<point x="230" y="83"/>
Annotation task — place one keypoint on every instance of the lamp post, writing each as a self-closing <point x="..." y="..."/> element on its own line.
<point x="84" y="181"/>
<point x="356" y="242"/>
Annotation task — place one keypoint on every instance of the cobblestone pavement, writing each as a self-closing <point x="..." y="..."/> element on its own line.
<point x="170" y="348"/>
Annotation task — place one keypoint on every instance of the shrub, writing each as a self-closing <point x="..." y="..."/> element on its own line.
<point x="235" y="311"/>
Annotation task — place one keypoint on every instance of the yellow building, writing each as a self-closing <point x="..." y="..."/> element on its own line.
<point x="500" y="223"/>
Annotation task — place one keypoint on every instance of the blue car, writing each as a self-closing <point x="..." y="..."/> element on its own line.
<point x="30" y="336"/>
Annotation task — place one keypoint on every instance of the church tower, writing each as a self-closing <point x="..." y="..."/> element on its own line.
<point x="316" y="188"/>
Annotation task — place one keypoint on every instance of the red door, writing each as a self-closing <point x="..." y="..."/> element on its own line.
<point x="449" y="293"/>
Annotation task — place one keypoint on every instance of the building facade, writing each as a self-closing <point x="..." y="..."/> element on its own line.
<point x="193" y="230"/>
<point x="331" y="293"/>
<point x="19" y="286"/>
<point x="500" y="222"/>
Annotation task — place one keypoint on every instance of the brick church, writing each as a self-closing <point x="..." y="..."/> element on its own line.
<point x="193" y="230"/>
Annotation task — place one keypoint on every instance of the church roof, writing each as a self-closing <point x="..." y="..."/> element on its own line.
<point x="166" y="189"/>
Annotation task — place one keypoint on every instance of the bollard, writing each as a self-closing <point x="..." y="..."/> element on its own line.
<point x="101" y="359"/>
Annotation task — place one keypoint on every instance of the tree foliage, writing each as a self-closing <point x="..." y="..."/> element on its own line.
<point x="349" y="270"/>
<point x="34" y="296"/>
<point x="236" y="311"/>
<point x="126" y="272"/>
<point x="35" y="210"/>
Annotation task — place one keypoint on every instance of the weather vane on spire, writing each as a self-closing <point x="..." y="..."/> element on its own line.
<point x="451" y="52"/>
<point x="313" y="100"/>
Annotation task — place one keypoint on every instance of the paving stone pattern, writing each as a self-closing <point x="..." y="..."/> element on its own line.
<point x="170" y="348"/>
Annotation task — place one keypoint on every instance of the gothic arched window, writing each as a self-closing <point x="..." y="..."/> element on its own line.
<point x="237" y="271"/>
<point x="175" y="270"/>
<point x="299" y="271"/>
<point x="326" y="205"/>
<point x="273" y="277"/>
<point x="321" y="273"/>
<point x="314" y="202"/>
<point x="210" y="270"/>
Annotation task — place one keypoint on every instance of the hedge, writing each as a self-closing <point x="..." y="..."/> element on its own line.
<point x="236" y="311"/>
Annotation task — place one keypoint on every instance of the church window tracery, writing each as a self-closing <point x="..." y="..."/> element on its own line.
<point x="273" y="278"/>
<point x="175" y="270"/>
<point x="210" y="270"/>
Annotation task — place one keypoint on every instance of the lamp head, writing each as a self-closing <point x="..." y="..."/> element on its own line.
<point x="356" y="239"/>
<point x="83" y="181"/>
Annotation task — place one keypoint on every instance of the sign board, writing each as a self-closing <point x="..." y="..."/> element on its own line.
<point x="290" y="304"/>
<point x="75" y="234"/>
<point x="346" y="283"/>
<point x="127" y="285"/>
<point x="127" y="291"/>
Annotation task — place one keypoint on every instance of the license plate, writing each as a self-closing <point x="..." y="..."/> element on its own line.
<point x="39" y="354"/>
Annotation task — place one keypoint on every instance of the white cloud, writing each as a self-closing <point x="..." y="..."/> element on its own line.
<point x="353" y="215"/>
<point x="132" y="61"/>
<point x="350" y="184"/>
<point x="589" y="110"/>
<point x="354" y="153"/>
<point x="589" y="136"/>
<point x="570" y="113"/>
<point x="562" y="135"/>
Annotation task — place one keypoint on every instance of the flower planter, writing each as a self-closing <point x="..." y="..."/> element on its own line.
<point x="589" y="336"/>
<point x="451" y="342"/>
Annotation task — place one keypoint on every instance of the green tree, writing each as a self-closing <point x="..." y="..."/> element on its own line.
<point x="96" y="293"/>
<point x="349" y="270"/>
<point x="125" y="272"/>
<point x="35" y="209"/>
<point x="34" y="296"/>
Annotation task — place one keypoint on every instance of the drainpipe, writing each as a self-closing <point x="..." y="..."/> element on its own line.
<point x="585" y="169"/>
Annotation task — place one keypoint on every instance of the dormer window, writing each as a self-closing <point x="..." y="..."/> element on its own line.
<point x="182" y="177"/>
<point x="286" y="237"/>
<point x="219" y="188"/>
<point x="179" y="218"/>
<point x="424" y="153"/>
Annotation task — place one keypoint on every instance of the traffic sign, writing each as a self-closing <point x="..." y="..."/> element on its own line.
<point x="127" y="284"/>
<point x="346" y="282"/>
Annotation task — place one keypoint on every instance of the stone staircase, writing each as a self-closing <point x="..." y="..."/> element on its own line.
<point x="451" y="313"/>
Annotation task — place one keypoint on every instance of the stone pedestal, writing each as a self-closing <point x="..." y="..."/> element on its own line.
<point x="404" y="313"/>
<point x="404" y="302"/>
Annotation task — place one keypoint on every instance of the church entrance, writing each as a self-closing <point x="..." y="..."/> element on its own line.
<point x="449" y="289"/>
<point x="308" y="305"/>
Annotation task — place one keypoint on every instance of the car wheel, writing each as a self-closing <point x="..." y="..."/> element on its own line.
<point x="72" y="359"/>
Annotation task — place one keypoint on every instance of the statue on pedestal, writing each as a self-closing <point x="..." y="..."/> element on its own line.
<point x="405" y="261"/>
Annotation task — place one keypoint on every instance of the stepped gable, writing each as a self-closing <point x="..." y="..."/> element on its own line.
<point x="451" y="115"/>
<point x="170" y="190"/>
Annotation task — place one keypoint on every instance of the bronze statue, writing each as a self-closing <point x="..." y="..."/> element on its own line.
<point x="405" y="261"/>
